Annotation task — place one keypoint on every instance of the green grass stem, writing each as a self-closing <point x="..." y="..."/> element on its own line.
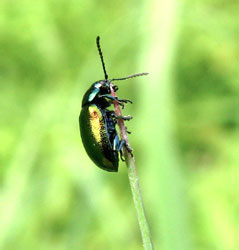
<point x="134" y="183"/>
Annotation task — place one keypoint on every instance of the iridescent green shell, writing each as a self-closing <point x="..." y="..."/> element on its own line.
<point x="95" y="138"/>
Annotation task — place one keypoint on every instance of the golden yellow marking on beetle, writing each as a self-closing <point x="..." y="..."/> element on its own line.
<point x="95" y="122"/>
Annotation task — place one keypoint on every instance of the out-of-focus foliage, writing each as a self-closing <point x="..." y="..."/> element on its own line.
<point x="51" y="194"/>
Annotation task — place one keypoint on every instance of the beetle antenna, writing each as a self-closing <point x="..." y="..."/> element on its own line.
<point x="130" y="76"/>
<point x="101" y="56"/>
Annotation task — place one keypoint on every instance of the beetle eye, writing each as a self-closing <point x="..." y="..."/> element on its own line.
<point x="105" y="89"/>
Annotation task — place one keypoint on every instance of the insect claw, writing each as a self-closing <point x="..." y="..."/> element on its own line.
<point x="125" y="101"/>
<point x="125" y="118"/>
<point x="129" y="149"/>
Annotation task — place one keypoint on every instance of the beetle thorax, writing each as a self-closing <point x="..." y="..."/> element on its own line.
<point x="98" y="88"/>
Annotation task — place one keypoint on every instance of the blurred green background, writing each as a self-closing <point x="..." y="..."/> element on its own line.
<point x="185" y="127"/>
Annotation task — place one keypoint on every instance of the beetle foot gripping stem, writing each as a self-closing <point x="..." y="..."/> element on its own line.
<point x="129" y="149"/>
<point x="126" y="129"/>
<point x="125" y="118"/>
<point x="122" y="102"/>
<point x="121" y="156"/>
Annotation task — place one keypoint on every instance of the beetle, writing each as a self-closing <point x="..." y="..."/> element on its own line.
<point x="98" y="123"/>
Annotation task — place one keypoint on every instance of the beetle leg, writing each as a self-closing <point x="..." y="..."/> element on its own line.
<point x="116" y="143"/>
<point x="127" y="130"/>
<point x="125" y="118"/>
<point x="121" y="156"/>
<point x="113" y="98"/>
<point x="119" y="149"/>
<point x="120" y="146"/>
<point x="129" y="149"/>
<point x="109" y="97"/>
<point x="121" y="102"/>
<point x="124" y="101"/>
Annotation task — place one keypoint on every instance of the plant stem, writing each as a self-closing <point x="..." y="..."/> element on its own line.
<point x="134" y="182"/>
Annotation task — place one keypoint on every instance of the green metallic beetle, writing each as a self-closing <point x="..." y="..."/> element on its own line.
<point x="97" y="123"/>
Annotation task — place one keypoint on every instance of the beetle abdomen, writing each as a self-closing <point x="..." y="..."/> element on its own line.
<point x="96" y="138"/>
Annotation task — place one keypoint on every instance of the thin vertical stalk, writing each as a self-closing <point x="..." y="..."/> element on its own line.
<point x="134" y="182"/>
